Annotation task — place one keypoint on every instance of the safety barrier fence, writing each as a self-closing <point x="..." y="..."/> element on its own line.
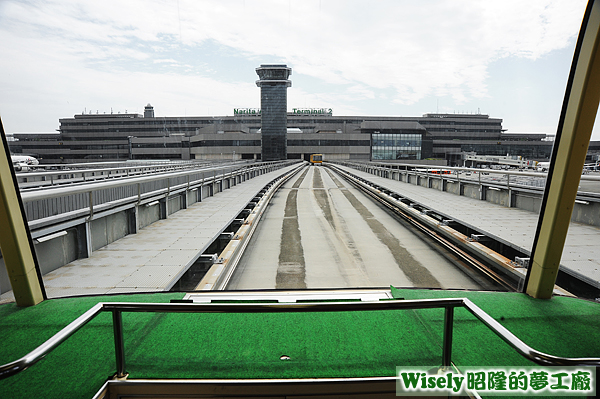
<point x="61" y="174"/>
<point x="51" y="203"/>
<point x="448" y="304"/>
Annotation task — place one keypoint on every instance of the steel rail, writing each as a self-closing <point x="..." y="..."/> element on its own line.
<point x="448" y="304"/>
<point x="231" y="266"/>
<point x="446" y="244"/>
<point x="469" y="260"/>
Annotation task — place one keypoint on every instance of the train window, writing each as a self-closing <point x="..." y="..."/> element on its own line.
<point x="447" y="112"/>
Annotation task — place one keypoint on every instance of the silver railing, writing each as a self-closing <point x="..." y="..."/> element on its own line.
<point x="403" y="167"/>
<point x="449" y="304"/>
<point x="508" y="179"/>
<point x="47" y="176"/>
<point x="135" y="186"/>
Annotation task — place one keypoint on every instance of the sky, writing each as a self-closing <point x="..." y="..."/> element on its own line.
<point x="508" y="59"/>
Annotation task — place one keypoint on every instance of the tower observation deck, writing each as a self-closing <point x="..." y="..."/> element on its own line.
<point x="273" y="85"/>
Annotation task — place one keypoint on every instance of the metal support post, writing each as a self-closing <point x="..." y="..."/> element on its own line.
<point x="135" y="225"/>
<point x="87" y="229"/>
<point x="91" y="200"/>
<point x="447" y="349"/>
<point x="119" y="343"/>
<point x="568" y="157"/>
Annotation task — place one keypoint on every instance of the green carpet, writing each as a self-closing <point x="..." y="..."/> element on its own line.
<point x="342" y="344"/>
<point x="561" y="326"/>
<point x="78" y="367"/>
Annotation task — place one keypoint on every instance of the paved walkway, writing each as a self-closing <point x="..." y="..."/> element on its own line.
<point x="154" y="258"/>
<point x="516" y="227"/>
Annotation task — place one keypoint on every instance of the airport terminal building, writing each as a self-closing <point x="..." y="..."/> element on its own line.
<point x="274" y="132"/>
<point x="93" y="137"/>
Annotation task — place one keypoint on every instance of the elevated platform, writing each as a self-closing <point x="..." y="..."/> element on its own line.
<point x="235" y="346"/>
<point x="512" y="226"/>
<point x="154" y="258"/>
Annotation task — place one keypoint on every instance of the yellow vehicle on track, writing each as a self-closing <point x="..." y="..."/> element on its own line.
<point x="316" y="159"/>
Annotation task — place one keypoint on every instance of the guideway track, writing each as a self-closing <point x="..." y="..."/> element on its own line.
<point x="472" y="254"/>
<point x="220" y="273"/>
<point x="320" y="232"/>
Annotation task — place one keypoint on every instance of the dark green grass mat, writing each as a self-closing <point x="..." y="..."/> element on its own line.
<point x="339" y="344"/>
<point x="75" y="369"/>
<point x="561" y="326"/>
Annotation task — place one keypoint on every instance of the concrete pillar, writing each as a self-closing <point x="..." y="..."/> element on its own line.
<point x="15" y="240"/>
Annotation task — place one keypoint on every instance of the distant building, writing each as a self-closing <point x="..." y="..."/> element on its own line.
<point x="87" y="137"/>
<point x="273" y="133"/>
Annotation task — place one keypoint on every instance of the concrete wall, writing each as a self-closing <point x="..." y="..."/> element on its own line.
<point x="528" y="202"/>
<point x="587" y="213"/>
<point x="453" y="188"/>
<point x="470" y="191"/>
<point x="174" y="204"/>
<point x="109" y="229"/>
<point x="148" y="215"/>
<point x="57" y="252"/>
<point x="497" y="197"/>
<point x="51" y="255"/>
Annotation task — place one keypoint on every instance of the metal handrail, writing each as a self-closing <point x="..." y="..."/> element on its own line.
<point x="149" y="168"/>
<point x="448" y="304"/>
<point x="508" y="184"/>
<point x="91" y="187"/>
<point x="131" y="169"/>
<point x="395" y="166"/>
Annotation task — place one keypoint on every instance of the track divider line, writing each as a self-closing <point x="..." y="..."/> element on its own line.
<point x="219" y="274"/>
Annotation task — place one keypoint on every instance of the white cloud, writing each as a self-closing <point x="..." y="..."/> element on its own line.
<point x="95" y="50"/>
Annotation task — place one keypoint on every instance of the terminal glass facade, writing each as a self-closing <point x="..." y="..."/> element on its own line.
<point x="396" y="146"/>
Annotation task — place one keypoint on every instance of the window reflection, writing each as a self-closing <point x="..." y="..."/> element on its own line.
<point x="387" y="146"/>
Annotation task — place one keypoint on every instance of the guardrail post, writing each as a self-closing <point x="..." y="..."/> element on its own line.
<point x="91" y="199"/>
<point x="119" y="343"/>
<point x="201" y="188"/>
<point x="448" y="325"/>
<point x="509" y="201"/>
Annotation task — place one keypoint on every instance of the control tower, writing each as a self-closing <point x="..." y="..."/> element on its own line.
<point x="273" y="85"/>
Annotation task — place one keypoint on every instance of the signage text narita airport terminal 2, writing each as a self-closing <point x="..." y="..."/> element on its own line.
<point x="295" y="111"/>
